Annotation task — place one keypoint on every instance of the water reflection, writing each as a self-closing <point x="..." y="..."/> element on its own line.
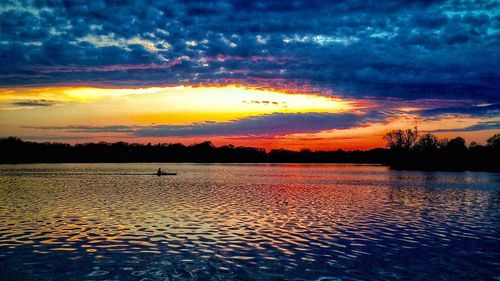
<point x="259" y="222"/>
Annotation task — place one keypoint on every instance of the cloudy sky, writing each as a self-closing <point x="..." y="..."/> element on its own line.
<point x="291" y="74"/>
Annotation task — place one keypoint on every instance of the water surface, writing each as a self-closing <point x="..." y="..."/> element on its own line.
<point x="246" y="222"/>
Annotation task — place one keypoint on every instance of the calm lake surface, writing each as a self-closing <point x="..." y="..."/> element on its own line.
<point x="247" y="222"/>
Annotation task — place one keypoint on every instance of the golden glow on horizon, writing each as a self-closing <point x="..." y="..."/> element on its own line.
<point x="99" y="107"/>
<point x="67" y="94"/>
<point x="165" y="105"/>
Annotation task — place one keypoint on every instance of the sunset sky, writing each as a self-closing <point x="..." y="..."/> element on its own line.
<point x="272" y="74"/>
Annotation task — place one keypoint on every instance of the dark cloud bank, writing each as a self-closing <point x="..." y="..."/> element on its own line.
<point x="380" y="49"/>
<point x="272" y="124"/>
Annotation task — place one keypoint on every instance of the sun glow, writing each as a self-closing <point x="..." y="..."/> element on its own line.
<point x="172" y="105"/>
<point x="23" y="111"/>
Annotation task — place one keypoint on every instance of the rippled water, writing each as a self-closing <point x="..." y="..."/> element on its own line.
<point x="246" y="222"/>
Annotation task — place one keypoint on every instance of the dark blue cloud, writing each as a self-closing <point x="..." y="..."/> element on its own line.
<point x="489" y="110"/>
<point x="384" y="49"/>
<point x="489" y="125"/>
<point x="266" y="125"/>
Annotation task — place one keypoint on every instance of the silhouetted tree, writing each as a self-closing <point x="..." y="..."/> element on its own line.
<point x="494" y="142"/>
<point x="473" y="145"/>
<point x="432" y="153"/>
<point x="401" y="140"/>
<point x="456" y="145"/>
<point x="428" y="143"/>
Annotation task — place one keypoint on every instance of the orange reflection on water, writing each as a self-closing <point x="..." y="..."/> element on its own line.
<point x="238" y="213"/>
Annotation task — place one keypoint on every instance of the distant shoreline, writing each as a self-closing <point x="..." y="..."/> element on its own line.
<point x="216" y="163"/>
<point x="271" y="163"/>
<point x="16" y="151"/>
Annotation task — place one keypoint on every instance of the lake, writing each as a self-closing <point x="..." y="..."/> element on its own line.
<point x="247" y="222"/>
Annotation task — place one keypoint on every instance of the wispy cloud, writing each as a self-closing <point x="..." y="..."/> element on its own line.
<point x="34" y="103"/>
<point x="105" y="68"/>
<point x="266" y="125"/>
<point x="481" y="126"/>
<point x="487" y="110"/>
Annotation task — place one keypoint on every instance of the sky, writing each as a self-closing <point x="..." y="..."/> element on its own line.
<point x="271" y="74"/>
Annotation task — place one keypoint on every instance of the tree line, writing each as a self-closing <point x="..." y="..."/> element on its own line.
<point x="406" y="149"/>
<point x="410" y="150"/>
<point x="15" y="150"/>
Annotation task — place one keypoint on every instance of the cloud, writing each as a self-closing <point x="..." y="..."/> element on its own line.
<point x="266" y="125"/>
<point x="488" y="110"/>
<point x="384" y="49"/>
<point x="34" y="103"/>
<point x="89" y="129"/>
<point x="274" y="124"/>
<point x="481" y="126"/>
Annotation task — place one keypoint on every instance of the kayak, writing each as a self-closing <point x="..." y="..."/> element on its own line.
<point x="166" y="174"/>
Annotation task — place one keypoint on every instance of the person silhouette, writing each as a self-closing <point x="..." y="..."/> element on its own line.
<point x="159" y="172"/>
